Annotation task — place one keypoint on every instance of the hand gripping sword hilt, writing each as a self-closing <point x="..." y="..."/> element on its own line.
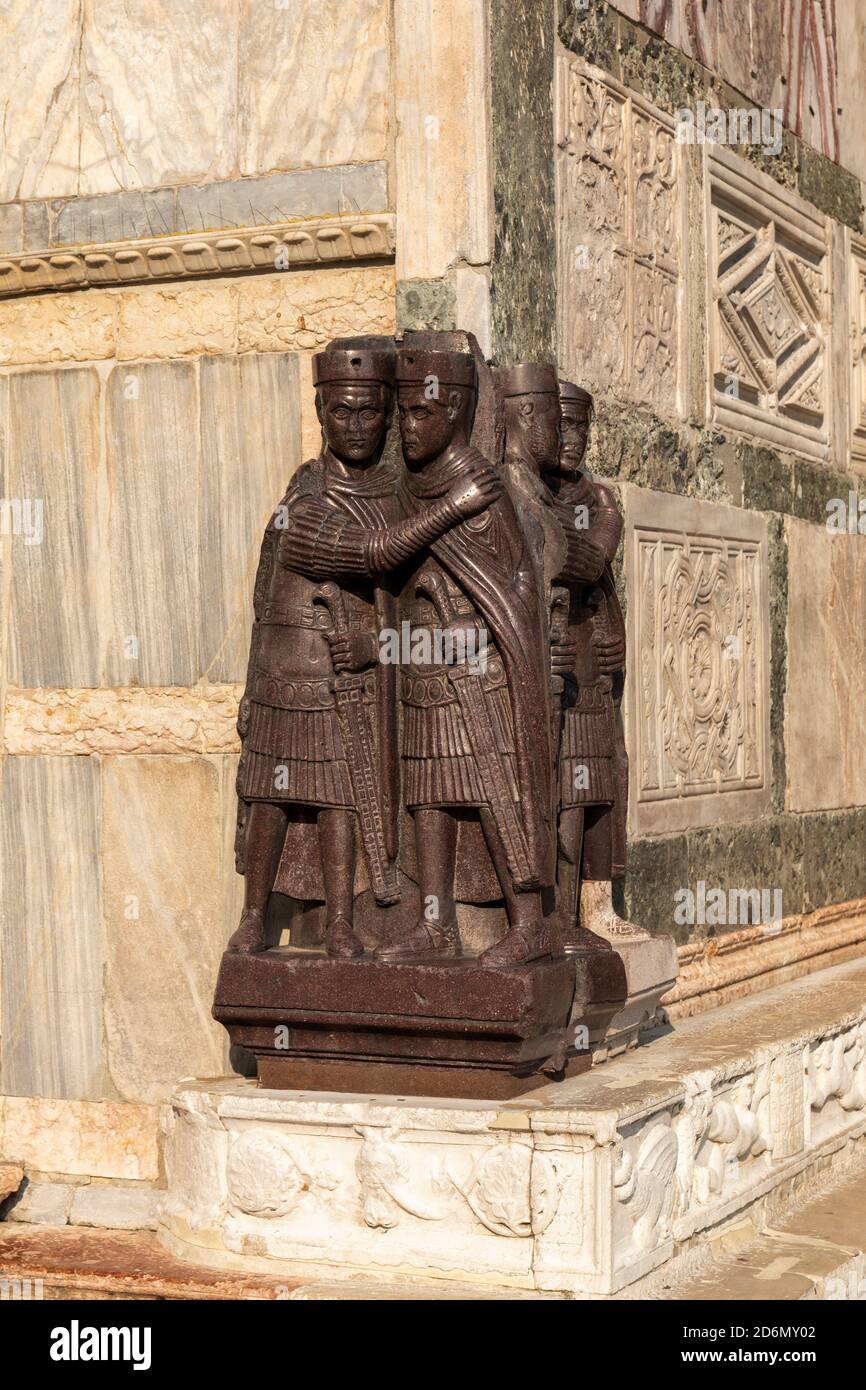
<point x="434" y="586"/>
<point x="329" y="596"/>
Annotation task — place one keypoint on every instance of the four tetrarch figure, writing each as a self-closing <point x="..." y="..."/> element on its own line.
<point x="432" y="709"/>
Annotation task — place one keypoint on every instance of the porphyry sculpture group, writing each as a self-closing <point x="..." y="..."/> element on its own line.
<point x="433" y="767"/>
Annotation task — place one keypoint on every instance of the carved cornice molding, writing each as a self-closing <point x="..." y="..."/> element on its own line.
<point x="277" y="246"/>
<point x="719" y="970"/>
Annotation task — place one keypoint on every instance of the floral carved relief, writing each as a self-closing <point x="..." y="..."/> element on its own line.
<point x="619" y="240"/>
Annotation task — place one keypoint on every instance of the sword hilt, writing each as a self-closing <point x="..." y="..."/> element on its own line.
<point x="434" y="586"/>
<point x="331" y="599"/>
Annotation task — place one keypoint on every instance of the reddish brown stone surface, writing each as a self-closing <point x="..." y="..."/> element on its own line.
<point x="86" y="1264"/>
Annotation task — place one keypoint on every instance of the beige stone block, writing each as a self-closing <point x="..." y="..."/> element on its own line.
<point x="114" y="1208"/>
<point x="698" y="704"/>
<point x="39" y="79"/>
<point x="232" y="882"/>
<point x="161" y="857"/>
<point x="177" y="322"/>
<point x="51" y="938"/>
<point x="57" y="328"/>
<point x="157" y="92"/>
<point x="250" y="447"/>
<point x="311" y="430"/>
<point x="196" y="719"/>
<point x="52" y="424"/>
<point x="825" y="719"/>
<point x="95" y="1139"/>
<point x="442" y="153"/>
<point x="851" y="329"/>
<point x="305" y="309"/>
<point x="43" y="1204"/>
<point x="154" y="538"/>
<point x="313" y="83"/>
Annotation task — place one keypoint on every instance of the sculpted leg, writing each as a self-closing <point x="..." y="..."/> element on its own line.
<point x="337" y="850"/>
<point x="528" y="936"/>
<point x="575" y="937"/>
<point x="436" y="849"/>
<point x="596" y="894"/>
<point x="265" y="837"/>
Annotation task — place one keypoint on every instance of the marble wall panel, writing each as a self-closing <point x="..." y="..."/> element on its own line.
<point x="442" y="156"/>
<point x="754" y="44"/>
<point x="825" y="719"/>
<point x="810" y="65"/>
<point x="281" y="197"/>
<point x="250" y="447"/>
<point x="157" y="82"/>
<point x="106" y="95"/>
<point x="851" y="19"/>
<point x="313" y="83"/>
<point x="153" y="538"/>
<point x="52" y="419"/>
<point x="39" y="73"/>
<point x="161" y="853"/>
<point x="51" y="934"/>
<point x="698" y="701"/>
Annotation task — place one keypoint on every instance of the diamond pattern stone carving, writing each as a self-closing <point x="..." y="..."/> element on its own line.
<point x="768" y="307"/>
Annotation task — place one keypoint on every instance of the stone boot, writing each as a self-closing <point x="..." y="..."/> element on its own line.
<point x="425" y="939"/>
<point x="341" y="941"/>
<point x="249" y="937"/>
<point x="521" y="944"/>
<point x="597" y="913"/>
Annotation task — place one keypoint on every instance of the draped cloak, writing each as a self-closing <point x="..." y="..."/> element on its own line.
<point x="488" y="558"/>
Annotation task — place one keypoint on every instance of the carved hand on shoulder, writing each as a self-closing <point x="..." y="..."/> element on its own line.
<point x="477" y="489"/>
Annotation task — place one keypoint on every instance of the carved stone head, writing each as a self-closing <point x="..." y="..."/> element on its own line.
<point x="530" y="399"/>
<point x="354" y="396"/>
<point x="435" y="399"/>
<point x="576" y="418"/>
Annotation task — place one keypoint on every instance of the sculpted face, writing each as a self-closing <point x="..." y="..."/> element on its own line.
<point x="575" y="433"/>
<point x="535" y="420"/>
<point x="426" y="426"/>
<point x="354" y="418"/>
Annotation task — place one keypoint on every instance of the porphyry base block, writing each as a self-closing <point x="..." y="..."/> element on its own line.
<point x="447" y="1028"/>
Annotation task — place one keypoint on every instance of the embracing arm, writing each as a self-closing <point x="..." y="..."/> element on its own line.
<point x="324" y="543"/>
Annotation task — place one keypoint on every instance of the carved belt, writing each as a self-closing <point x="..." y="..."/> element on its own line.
<point x="426" y="686"/>
<point x="316" y="618"/>
<point x="300" y="693"/>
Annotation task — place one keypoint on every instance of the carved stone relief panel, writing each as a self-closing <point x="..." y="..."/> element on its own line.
<point x="857" y="290"/>
<point x="619" y="239"/>
<point x="768" y="307"/>
<point x="698" y="693"/>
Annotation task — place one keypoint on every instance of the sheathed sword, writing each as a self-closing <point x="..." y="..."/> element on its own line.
<point x="476" y="713"/>
<point x="348" y="690"/>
